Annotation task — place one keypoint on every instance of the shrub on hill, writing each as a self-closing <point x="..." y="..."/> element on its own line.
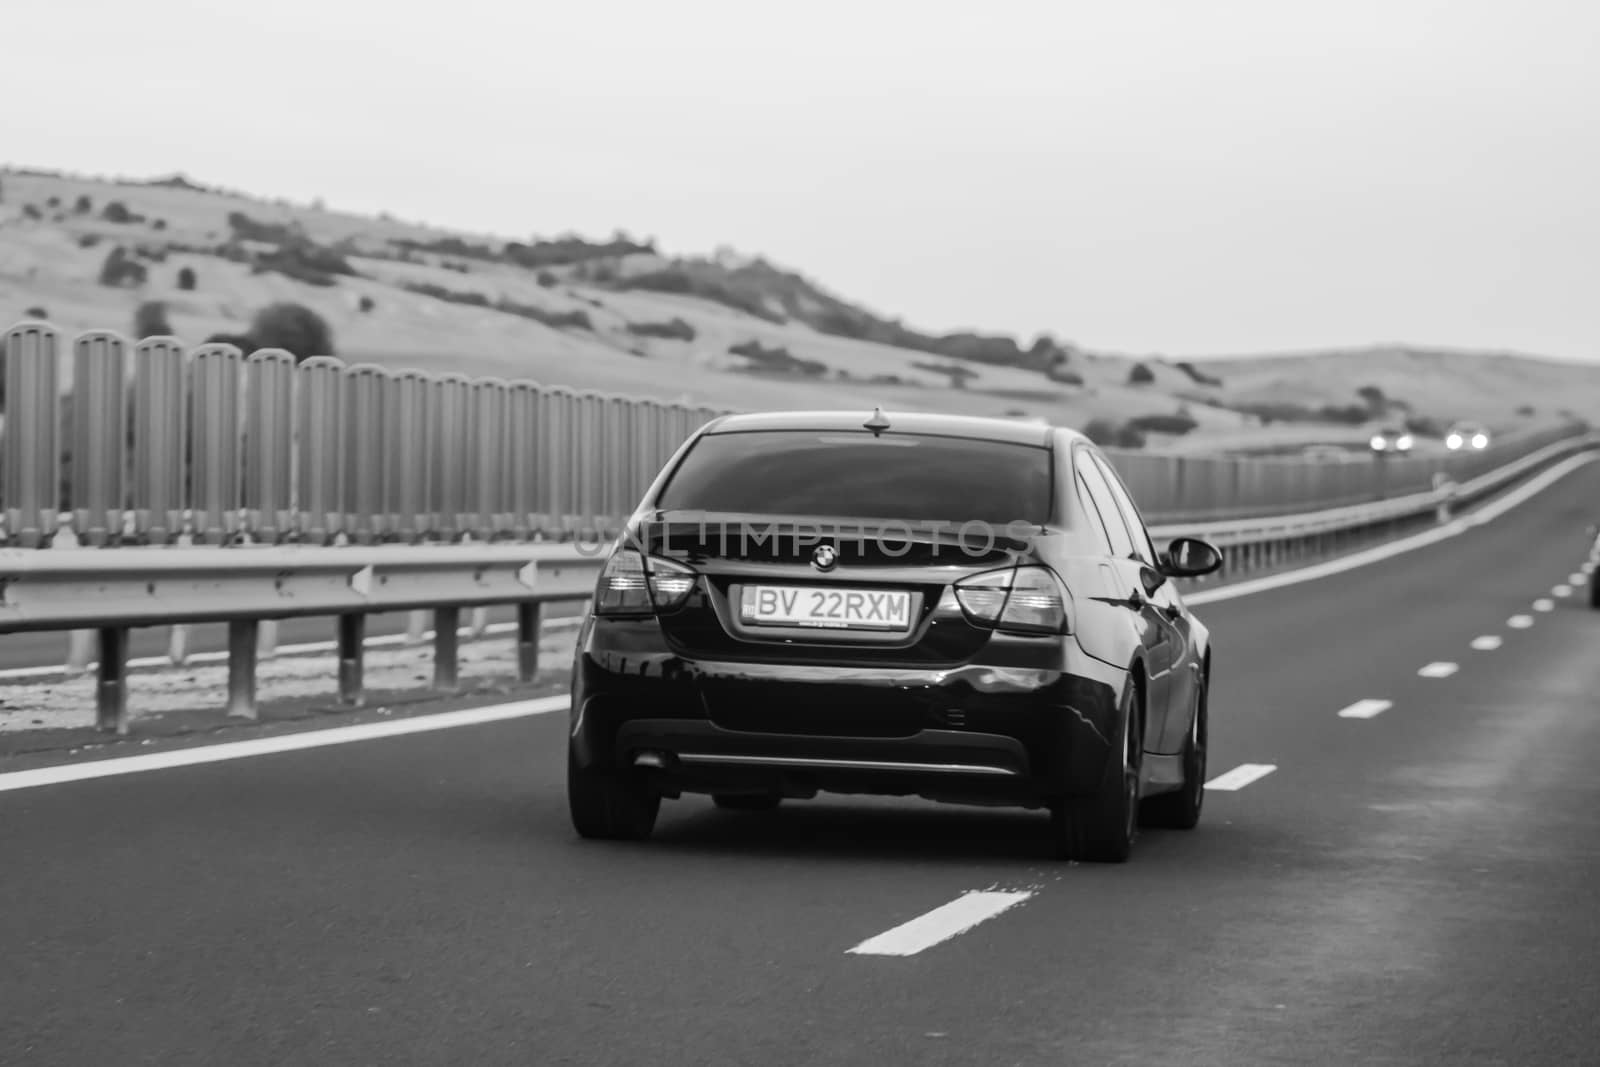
<point x="117" y="212"/>
<point x="1139" y="374"/>
<point x="577" y="319"/>
<point x="84" y="205"/>
<point x="1373" y="396"/>
<point x="88" y="240"/>
<point x="30" y="211"/>
<point x="1423" y="426"/>
<point x="548" y="280"/>
<point x="678" y="280"/>
<point x="37" y="312"/>
<point x="120" y="269"/>
<point x="150" y="320"/>
<point x="453" y="296"/>
<point x="1196" y="375"/>
<point x="676" y="330"/>
<point x="778" y="359"/>
<point x="367" y="304"/>
<point x="1108" y="434"/>
<point x="1178" y="424"/>
<point x="305" y="262"/>
<point x="246" y="228"/>
<point x="294" y="328"/>
<point x="565" y="251"/>
<point x="556" y="320"/>
<point x="1349" y="414"/>
<point x="186" y="278"/>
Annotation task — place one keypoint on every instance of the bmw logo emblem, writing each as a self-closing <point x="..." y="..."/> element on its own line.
<point x="824" y="557"/>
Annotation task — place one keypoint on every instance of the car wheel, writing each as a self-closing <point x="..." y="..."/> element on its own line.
<point x="1181" y="810"/>
<point x="1101" y="828"/>
<point x="610" y="805"/>
<point x="747" y="801"/>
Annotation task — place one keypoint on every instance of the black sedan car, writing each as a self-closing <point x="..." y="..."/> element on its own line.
<point x="968" y="610"/>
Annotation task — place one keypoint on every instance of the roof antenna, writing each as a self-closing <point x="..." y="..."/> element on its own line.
<point x="878" y="423"/>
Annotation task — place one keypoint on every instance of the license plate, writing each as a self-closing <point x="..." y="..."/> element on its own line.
<point x="833" y="609"/>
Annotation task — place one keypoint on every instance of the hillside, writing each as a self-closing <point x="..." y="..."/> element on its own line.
<point x="620" y="315"/>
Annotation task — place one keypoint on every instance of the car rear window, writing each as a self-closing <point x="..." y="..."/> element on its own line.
<point x="907" y="477"/>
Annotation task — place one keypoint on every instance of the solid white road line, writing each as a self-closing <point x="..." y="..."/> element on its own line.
<point x="940" y="924"/>
<point x="1486" y="643"/>
<point x="1520" y="622"/>
<point x="1241" y="776"/>
<point x="1484" y="514"/>
<point x="1544" y="604"/>
<point x="266" y="746"/>
<point x="1561" y="590"/>
<point x="1366" y="709"/>
<point x="1438" y="670"/>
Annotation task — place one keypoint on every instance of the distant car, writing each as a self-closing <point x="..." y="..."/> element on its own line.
<point x="1594" y="569"/>
<point x="1325" y="452"/>
<point x="968" y="610"/>
<point x="1392" y="440"/>
<point x="1468" y="436"/>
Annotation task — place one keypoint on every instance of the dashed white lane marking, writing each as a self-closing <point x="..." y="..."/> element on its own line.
<point x="1577" y="577"/>
<point x="1520" y="622"/>
<point x="1438" y="670"/>
<point x="1544" y="604"/>
<point x="940" y="924"/>
<point x="1241" y="776"/>
<point x="265" y="746"/>
<point x="1561" y="590"/>
<point x="1366" y="709"/>
<point x="1486" y="643"/>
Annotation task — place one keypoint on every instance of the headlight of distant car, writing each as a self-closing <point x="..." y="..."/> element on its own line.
<point x="1379" y="442"/>
<point x="1480" y="440"/>
<point x="1404" y="443"/>
<point x="1453" y="442"/>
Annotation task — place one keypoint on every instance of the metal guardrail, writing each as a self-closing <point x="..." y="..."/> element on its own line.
<point x="113" y="592"/>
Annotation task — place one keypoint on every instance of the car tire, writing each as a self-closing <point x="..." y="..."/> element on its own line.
<point x="747" y="801"/>
<point x="1101" y="827"/>
<point x="1181" y="810"/>
<point x="610" y="805"/>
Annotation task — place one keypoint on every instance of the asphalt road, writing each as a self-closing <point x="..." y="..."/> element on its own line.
<point x="1412" y="886"/>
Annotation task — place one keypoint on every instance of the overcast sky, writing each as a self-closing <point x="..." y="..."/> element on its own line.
<point x="1189" y="177"/>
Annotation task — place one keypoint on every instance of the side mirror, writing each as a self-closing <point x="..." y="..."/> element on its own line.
<point x="1190" y="557"/>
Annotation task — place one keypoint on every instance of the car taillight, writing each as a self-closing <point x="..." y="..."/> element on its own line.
<point x="627" y="587"/>
<point x="1023" y="600"/>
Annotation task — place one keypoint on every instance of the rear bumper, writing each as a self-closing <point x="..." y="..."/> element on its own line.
<point x="976" y="733"/>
